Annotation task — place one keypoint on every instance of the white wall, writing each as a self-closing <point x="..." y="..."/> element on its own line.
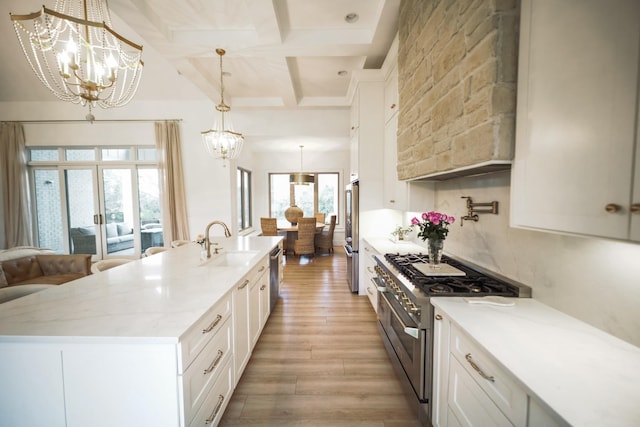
<point x="595" y="280"/>
<point x="210" y="186"/>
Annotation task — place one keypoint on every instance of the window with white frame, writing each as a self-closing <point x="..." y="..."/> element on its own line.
<point x="321" y="196"/>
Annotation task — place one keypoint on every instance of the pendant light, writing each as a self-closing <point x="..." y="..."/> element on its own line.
<point x="221" y="141"/>
<point x="301" y="178"/>
<point x="78" y="56"/>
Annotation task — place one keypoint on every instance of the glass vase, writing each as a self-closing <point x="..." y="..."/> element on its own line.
<point x="434" y="250"/>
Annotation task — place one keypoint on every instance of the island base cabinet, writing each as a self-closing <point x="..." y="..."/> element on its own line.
<point x="31" y="377"/>
<point x="121" y="385"/>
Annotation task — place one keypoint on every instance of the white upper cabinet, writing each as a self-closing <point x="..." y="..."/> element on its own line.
<point x="577" y="118"/>
<point x="391" y="94"/>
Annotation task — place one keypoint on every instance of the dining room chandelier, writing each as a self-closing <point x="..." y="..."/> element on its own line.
<point x="76" y="54"/>
<point x="222" y="141"/>
<point x="301" y="178"/>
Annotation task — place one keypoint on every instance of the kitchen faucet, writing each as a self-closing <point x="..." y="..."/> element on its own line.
<point x="207" y="241"/>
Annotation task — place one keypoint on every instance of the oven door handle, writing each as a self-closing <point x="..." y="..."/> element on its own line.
<point x="411" y="331"/>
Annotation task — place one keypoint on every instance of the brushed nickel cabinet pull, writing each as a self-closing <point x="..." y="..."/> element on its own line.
<point x="612" y="208"/>
<point x="263" y="287"/>
<point x="477" y="368"/>
<point x="215" y="410"/>
<point x="261" y="269"/>
<point x="393" y="106"/>
<point x="214" y="363"/>
<point x="635" y="208"/>
<point x="244" y="285"/>
<point x="213" y="324"/>
<point x="438" y="317"/>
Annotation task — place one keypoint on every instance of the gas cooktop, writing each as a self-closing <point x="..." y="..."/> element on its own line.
<point x="473" y="283"/>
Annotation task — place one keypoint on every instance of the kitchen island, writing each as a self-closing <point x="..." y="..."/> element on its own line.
<point x="159" y="341"/>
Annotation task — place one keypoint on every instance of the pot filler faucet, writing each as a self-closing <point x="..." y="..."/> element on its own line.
<point x="207" y="241"/>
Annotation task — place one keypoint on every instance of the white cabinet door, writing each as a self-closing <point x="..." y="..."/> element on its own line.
<point x="241" y="341"/>
<point x="394" y="191"/>
<point x="576" y="116"/>
<point x="391" y="94"/>
<point x="265" y="301"/>
<point x="254" y="312"/>
<point x="440" y="389"/>
<point x="32" y="374"/>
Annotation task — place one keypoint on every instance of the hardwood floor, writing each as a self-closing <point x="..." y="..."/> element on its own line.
<point x="319" y="361"/>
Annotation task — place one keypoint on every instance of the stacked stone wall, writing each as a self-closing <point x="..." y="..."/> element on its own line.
<point x="457" y="64"/>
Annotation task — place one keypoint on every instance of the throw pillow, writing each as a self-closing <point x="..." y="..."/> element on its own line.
<point x="112" y="230"/>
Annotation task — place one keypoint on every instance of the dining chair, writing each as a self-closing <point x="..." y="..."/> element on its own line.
<point x="305" y="244"/>
<point x="320" y="217"/>
<point x="325" y="240"/>
<point x="269" y="226"/>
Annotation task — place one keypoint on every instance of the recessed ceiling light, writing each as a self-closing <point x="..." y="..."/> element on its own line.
<point x="351" y="17"/>
<point x="342" y="73"/>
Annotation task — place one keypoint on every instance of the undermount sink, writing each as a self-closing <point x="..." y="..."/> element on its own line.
<point x="231" y="258"/>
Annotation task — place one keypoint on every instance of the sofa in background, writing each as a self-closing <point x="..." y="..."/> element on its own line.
<point x="49" y="269"/>
<point x="119" y="238"/>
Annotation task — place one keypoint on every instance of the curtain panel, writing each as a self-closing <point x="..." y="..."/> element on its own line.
<point x="16" y="203"/>
<point x="174" y="206"/>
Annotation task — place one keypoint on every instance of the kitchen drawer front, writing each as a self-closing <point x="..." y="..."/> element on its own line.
<point x="501" y="388"/>
<point x="469" y="405"/>
<point x="198" y="378"/>
<point x="217" y="399"/>
<point x="199" y="335"/>
<point x="259" y="269"/>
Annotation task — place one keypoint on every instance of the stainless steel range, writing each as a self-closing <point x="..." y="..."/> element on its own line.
<point x="405" y="315"/>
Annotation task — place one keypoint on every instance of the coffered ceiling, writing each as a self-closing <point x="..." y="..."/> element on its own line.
<point x="280" y="53"/>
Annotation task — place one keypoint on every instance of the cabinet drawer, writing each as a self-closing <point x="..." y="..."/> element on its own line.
<point x="259" y="269"/>
<point x="496" y="382"/>
<point x="216" y="401"/>
<point x="469" y="405"/>
<point x="198" y="378"/>
<point x="202" y="331"/>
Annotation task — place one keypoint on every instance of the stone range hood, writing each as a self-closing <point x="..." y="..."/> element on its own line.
<point x="457" y="65"/>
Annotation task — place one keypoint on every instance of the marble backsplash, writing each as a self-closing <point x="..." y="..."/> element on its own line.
<point x="595" y="280"/>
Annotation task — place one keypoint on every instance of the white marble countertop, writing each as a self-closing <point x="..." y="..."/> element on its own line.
<point x="588" y="377"/>
<point x="154" y="299"/>
<point x="386" y="245"/>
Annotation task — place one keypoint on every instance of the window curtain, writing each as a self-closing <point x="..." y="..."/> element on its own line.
<point x="174" y="208"/>
<point x="15" y="186"/>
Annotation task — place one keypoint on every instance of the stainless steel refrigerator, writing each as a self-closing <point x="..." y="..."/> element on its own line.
<point x="351" y="247"/>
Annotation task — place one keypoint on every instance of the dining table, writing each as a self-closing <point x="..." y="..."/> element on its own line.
<point x="292" y="230"/>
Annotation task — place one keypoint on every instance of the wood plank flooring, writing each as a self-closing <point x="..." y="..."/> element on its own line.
<point x="320" y="361"/>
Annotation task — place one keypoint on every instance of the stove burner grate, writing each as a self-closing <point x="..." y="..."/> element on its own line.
<point x="473" y="283"/>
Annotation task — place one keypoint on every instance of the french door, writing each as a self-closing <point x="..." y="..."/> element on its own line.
<point x="105" y="211"/>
